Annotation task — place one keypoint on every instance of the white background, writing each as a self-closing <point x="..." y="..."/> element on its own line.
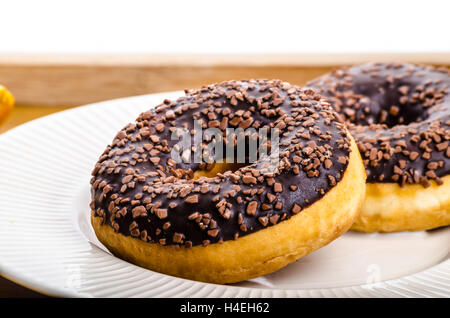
<point x="225" y="26"/>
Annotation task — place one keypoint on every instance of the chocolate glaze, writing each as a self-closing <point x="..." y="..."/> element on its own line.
<point x="139" y="191"/>
<point x="399" y="115"/>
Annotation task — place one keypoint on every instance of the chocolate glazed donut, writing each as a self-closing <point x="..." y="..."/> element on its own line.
<point x="399" y="115"/>
<point x="225" y="223"/>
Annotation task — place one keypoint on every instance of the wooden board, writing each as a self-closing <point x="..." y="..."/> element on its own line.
<point x="23" y="114"/>
<point x="8" y="289"/>
<point x="55" y="80"/>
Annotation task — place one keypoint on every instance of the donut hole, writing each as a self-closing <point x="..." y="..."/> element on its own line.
<point x="229" y="161"/>
<point x="389" y="109"/>
<point x="210" y="171"/>
<point x="405" y="116"/>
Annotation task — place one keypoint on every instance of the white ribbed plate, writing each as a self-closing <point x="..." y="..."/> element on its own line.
<point x="45" y="169"/>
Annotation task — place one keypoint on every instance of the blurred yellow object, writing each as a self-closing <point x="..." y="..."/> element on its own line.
<point x="6" y="103"/>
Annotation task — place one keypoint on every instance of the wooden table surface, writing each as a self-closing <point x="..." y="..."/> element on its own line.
<point x="23" y="114"/>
